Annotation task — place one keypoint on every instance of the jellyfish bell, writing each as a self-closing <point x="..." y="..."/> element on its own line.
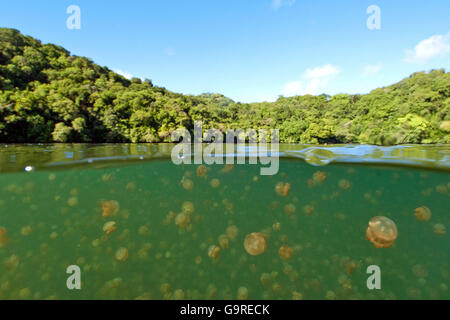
<point x="422" y="213"/>
<point x="232" y="232"/>
<point x="439" y="229"/>
<point x="109" y="227"/>
<point x="122" y="254"/>
<point x="109" y="207"/>
<point x="255" y="244"/>
<point x="282" y="188"/>
<point x="382" y="232"/>
<point x="213" y="252"/>
<point x="285" y="252"/>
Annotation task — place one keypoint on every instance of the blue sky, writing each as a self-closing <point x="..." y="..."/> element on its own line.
<point x="248" y="50"/>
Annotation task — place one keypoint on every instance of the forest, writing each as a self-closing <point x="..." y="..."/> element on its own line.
<point x="48" y="95"/>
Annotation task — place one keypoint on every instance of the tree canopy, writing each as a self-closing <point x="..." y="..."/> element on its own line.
<point x="49" y="95"/>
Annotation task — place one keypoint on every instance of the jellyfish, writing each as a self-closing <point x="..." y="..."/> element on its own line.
<point x="308" y="209"/>
<point x="122" y="254"/>
<point x="276" y="226"/>
<point x="330" y="295"/>
<point x="213" y="252"/>
<point x="215" y="183"/>
<point x="297" y="295"/>
<point x="12" y="262"/>
<point x="289" y="209"/>
<point x="422" y="213"/>
<point x="182" y="220"/>
<point x="187" y="184"/>
<point x="3" y="237"/>
<point x="223" y="241"/>
<point x="439" y="229"/>
<point x="442" y="188"/>
<point x="255" y="244"/>
<point x="242" y="293"/>
<point x="109" y="227"/>
<point x="178" y="294"/>
<point x="266" y="279"/>
<point x="283" y="188"/>
<point x="72" y="202"/>
<point x="202" y="170"/>
<point x="24" y="293"/>
<point x="285" y="252"/>
<point x="382" y="232"/>
<point x="187" y="207"/>
<point x="109" y="208"/>
<point x="232" y="232"/>
<point x="420" y="271"/>
<point x="344" y="184"/>
<point x="227" y="168"/>
<point x="319" y="176"/>
<point x="143" y="230"/>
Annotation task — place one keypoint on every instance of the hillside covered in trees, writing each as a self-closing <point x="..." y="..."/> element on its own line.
<point x="48" y="95"/>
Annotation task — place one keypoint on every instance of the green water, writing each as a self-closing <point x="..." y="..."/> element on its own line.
<point x="53" y="217"/>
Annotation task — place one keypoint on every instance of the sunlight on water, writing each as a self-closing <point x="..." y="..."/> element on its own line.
<point x="153" y="230"/>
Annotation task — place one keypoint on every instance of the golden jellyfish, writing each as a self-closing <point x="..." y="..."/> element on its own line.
<point x="265" y="279"/>
<point x="143" y="230"/>
<point x="122" y="254"/>
<point x="26" y="231"/>
<point x="109" y="227"/>
<point x="382" y="232"/>
<point x="242" y="293"/>
<point x="187" y="184"/>
<point x="276" y="226"/>
<point x="182" y="220"/>
<point x="12" y="262"/>
<point x="297" y="295"/>
<point x="213" y="252"/>
<point x="227" y="168"/>
<point x="285" y="252"/>
<point x="255" y="244"/>
<point x="3" y="237"/>
<point x="215" y="183"/>
<point x="439" y="229"/>
<point x="109" y="208"/>
<point x="308" y="209"/>
<point x="344" y="184"/>
<point x="420" y="271"/>
<point x="282" y="188"/>
<point x="178" y="294"/>
<point x="232" y="232"/>
<point x="319" y="176"/>
<point x="422" y="213"/>
<point x="72" y="202"/>
<point x="202" y="170"/>
<point x="223" y="241"/>
<point x="289" y="209"/>
<point x="187" y="207"/>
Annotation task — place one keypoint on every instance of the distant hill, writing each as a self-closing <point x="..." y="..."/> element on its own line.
<point x="48" y="95"/>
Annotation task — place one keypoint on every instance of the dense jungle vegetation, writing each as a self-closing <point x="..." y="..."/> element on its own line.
<point x="49" y="95"/>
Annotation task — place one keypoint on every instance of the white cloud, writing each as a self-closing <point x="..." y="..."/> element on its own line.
<point x="277" y="4"/>
<point x="372" y="69"/>
<point x="313" y="82"/>
<point x="123" y="73"/>
<point x="434" y="46"/>
<point x="325" y="71"/>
